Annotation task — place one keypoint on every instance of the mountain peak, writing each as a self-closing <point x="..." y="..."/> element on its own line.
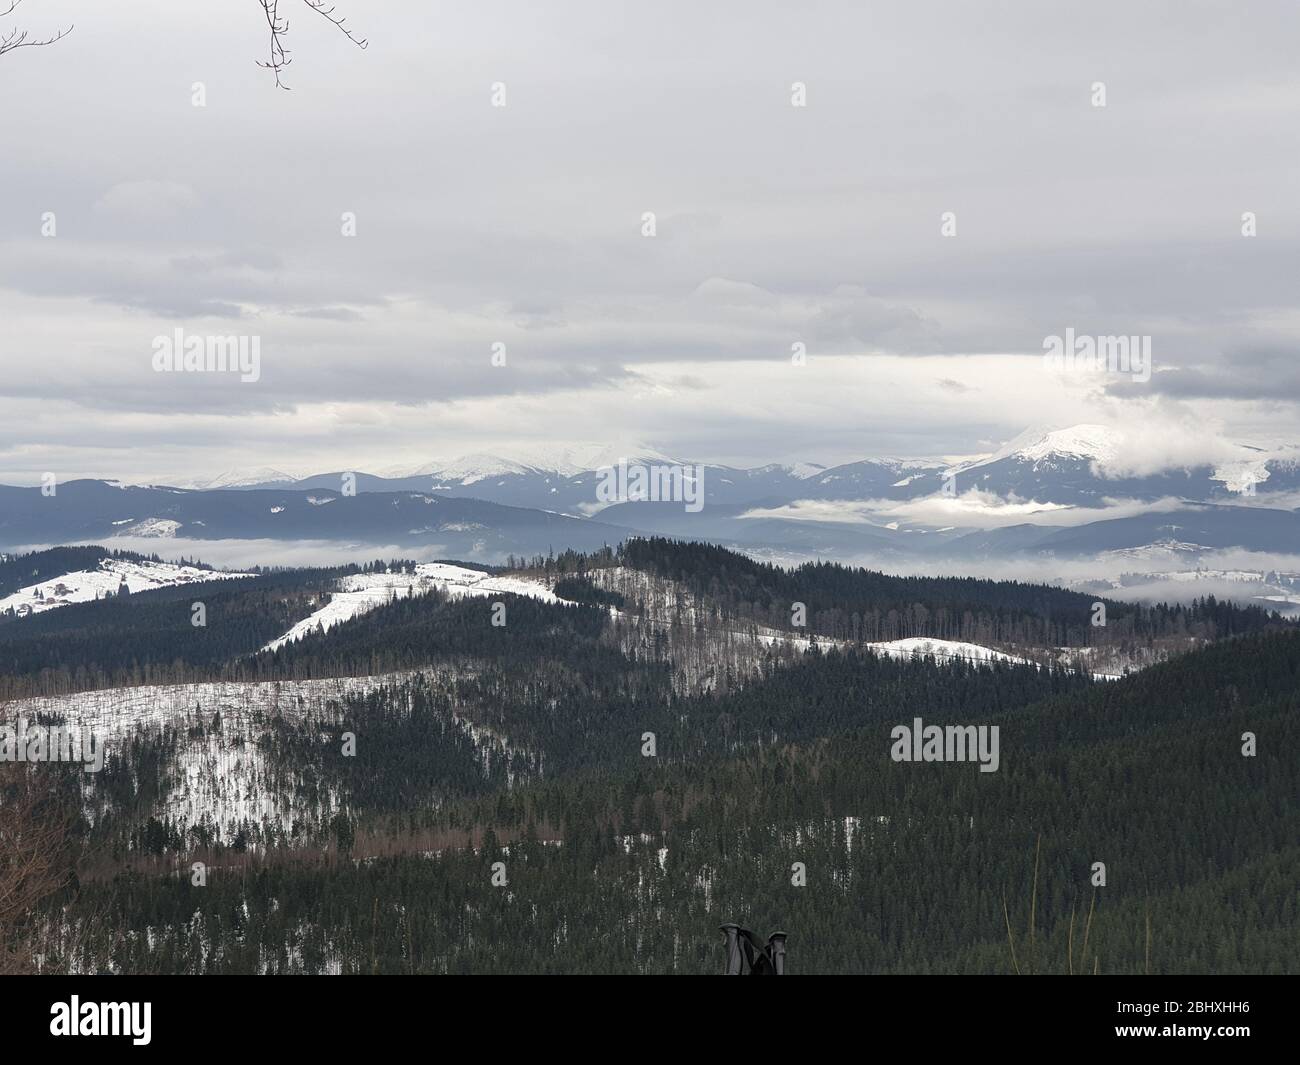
<point x="1096" y="442"/>
<point x="566" y="460"/>
<point x="241" y="477"/>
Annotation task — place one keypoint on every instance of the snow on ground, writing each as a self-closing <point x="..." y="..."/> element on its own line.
<point x="769" y="636"/>
<point x="360" y="593"/>
<point x="153" y="528"/>
<point x="943" y="650"/>
<point x="926" y="647"/>
<point x="237" y="478"/>
<point x="117" y="712"/>
<point x="224" y="778"/>
<point x="85" y="586"/>
<point x="1096" y="442"/>
<point x="701" y="645"/>
<point x="952" y="650"/>
<point x="459" y="581"/>
<point x="1242" y="475"/>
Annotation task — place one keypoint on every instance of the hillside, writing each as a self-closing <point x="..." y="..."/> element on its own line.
<point x="647" y="740"/>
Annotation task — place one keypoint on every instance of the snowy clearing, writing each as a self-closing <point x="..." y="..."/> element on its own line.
<point x="85" y="586"/>
<point x="362" y="592"/>
<point x="943" y="650"/>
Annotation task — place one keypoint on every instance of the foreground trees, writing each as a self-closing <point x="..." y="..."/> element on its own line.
<point x="37" y="856"/>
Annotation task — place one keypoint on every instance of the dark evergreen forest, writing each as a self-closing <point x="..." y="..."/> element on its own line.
<point x="500" y="810"/>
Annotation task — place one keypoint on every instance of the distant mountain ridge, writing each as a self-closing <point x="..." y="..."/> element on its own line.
<point x="1065" y="466"/>
<point x="1046" y="494"/>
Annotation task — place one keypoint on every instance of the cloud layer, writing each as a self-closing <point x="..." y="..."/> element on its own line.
<point x="519" y="229"/>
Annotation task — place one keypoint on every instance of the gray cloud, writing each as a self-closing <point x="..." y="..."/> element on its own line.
<point x="522" y="225"/>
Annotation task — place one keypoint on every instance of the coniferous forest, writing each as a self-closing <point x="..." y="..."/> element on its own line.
<point x="673" y="488"/>
<point x="591" y="768"/>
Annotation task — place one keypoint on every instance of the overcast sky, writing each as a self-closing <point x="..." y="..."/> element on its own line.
<point x="522" y="225"/>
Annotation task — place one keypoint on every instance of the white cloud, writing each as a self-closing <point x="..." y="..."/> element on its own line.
<point x="971" y="509"/>
<point x="522" y="225"/>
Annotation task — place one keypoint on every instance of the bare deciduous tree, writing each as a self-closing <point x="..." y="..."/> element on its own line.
<point x="36" y="858"/>
<point x="16" y="38"/>
<point x="279" y="28"/>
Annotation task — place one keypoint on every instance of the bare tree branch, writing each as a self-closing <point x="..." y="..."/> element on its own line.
<point x="19" y="38"/>
<point x="36" y="858"/>
<point x="278" y="58"/>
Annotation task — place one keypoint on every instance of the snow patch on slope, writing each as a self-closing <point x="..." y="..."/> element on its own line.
<point x="1097" y="443"/>
<point x="943" y="650"/>
<point x="563" y="460"/>
<point x="223" y="779"/>
<point x="1244" y="475"/>
<point x="85" y="586"/>
<point x="240" y="478"/>
<point x="361" y="593"/>
<point x="153" y="528"/>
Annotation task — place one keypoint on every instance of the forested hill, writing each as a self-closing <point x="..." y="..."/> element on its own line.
<point x="18" y="571"/>
<point x="149" y="637"/>
<point x="638" y="742"/>
<point x="658" y="598"/>
<point x="793" y="815"/>
<point x="852" y="603"/>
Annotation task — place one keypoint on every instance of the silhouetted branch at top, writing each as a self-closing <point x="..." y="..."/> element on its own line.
<point x="16" y="38"/>
<point x="279" y="28"/>
<point x="278" y="55"/>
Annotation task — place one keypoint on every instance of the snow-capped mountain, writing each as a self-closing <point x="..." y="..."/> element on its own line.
<point x="805" y="470"/>
<point x="1064" y="488"/>
<point x="1067" y="466"/>
<point x="562" y="460"/>
<point x="1094" y="443"/>
<point x="242" y="478"/>
<point x="466" y="469"/>
<point x="1081" y="466"/>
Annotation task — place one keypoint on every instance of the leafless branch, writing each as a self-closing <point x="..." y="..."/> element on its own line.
<point x="35" y="858"/>
<point x="278" y="57"/>
<point x="19" y="38"/>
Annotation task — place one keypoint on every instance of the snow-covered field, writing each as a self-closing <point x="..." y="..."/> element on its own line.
<point x="362" y="592"/>
<point x="85" y="586"/>
<point x="956" y="650"/>
<point x="943" y="650"/>
<point x="912" y="647"/>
